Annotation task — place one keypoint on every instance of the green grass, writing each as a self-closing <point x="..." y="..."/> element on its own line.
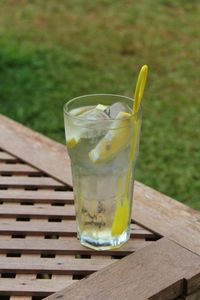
<point x="51" y="51"/>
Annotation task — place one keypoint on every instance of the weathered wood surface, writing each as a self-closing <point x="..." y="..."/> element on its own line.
<point x="24" y="181"/>
<point x="67" y="246"/>
<point x="167" y="216"/>
<point x="37" y="237"/>
<point x="38" y="241"/>
<point x="151" y="208"/>
<point x="36" y="228"/>
<point x="39" y="210"/>
<point x="6" y="157"/>
<point x="53" y="225"/>
<point x="34" y="148"/>
<point x="42" y="227"/>
<point x="39" y="196"/>
<point x="18" y="169"/>
<point x="62" y="265"/>
<point x="160" y="271"/>
<point x="26" y="286"/>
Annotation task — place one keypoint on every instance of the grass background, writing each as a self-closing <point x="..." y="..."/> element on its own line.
<point x="51" y="51"/>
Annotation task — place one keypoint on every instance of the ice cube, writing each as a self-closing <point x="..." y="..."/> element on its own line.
<point x="85" y="125"/>
<point x="79" y="110"/>
<point x="96" y="113"/>
<point x="117" y="107"/>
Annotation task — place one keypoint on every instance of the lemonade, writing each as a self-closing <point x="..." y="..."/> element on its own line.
<point x="99" y="131"/>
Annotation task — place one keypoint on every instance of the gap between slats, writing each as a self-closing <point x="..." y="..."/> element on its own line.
<point x="64" y="245"/>
<point x="25" y="181"/>
<point x="6" y="157"/>
<point x="19" y="169"/>
<point x="53" y="225"/>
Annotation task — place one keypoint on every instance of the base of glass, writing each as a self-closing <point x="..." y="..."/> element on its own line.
<point x="102" y="244"/>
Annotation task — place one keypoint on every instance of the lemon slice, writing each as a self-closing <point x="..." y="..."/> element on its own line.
<point x="73" y="135"/>
<point x="76" y="127"/>
<point x="115" y="139"/>
<point x="72" y="139"/>
<point x="79" y="110"/>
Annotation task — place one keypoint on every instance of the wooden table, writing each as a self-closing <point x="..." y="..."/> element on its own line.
<point x="39" y="252"/>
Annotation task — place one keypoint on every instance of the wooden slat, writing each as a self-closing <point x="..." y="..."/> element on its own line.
<point x="37" y="196"/>
<point x="64" y="228"/>
<point x="64" y="278"/>
<point x="18" y="169"/>
<point x="37" y="210"/>
<point x="167" y="216"/>
<point x="100" y="257"/>
<point x="61" y="265"/>
<point x="36" y="149"/>
<point x="155" y="272"/>
<point x="24" y="181"/>
<point x="24" y="277"/>
<point x="7" y="157"/>
<point x="139" y="231"/>
<point x="20" y="277"/>
<point x="69" y="245"/>
<point x="26" y="286"/>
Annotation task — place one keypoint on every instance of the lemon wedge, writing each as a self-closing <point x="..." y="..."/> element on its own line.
<point x="76" y="129"/>
<point x="117" y="137"/>
<point x="73" y="135"/>
<point x="80" y="110"/>
<point x="72" y="140"/>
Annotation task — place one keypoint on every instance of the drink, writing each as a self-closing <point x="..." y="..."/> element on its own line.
<point x="99" y="137"/>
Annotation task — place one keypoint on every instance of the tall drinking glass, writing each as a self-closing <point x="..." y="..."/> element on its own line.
<point x="102" y="137"/>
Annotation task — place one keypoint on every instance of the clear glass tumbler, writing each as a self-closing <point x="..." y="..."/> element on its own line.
<point x="103" y="151"/>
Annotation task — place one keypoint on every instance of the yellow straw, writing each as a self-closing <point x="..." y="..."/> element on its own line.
<point x="122" y="213"/>
<point x="139" y="90"/>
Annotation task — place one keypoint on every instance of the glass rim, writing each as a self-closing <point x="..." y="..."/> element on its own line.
<point x="67" y="112"/>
